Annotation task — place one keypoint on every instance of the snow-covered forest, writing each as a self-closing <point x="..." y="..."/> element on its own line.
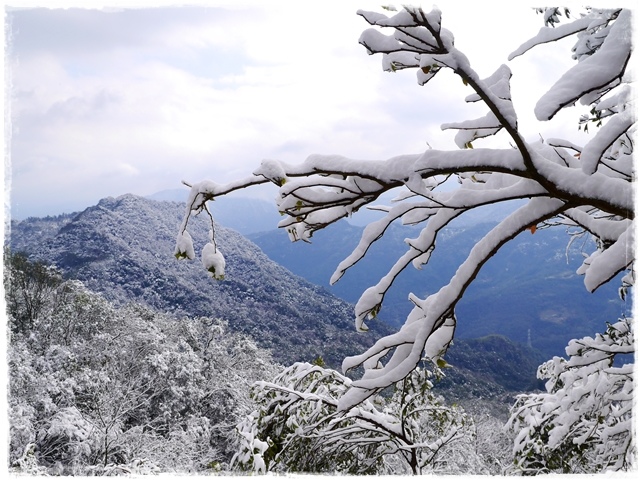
<point x="104" y="388"/>
<point x="96" y="389"/>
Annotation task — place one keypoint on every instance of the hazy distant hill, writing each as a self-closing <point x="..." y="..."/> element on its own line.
<point x="123" y="248"/>
<point x="245" y="215"/>
<point x="251" y="216"/>
<point x="528" y="287"/>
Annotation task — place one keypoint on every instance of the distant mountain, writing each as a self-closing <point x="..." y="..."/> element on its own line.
<point x="123" y="248"/>
<point x="246" y="215"/>
<point x="251" y="216"/>
<point x="528" y="289"/>
<point x="170" y="195"/>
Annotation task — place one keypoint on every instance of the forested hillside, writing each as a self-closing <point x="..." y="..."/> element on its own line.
<point x="123" y="248"/>
<point x="101" y="389"/>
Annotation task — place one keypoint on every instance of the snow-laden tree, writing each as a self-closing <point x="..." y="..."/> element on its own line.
<point x="28" y="286"/>
<point x="297" y="427"/>
<point x="583" y="423"/>
<point x="587" y="187"/>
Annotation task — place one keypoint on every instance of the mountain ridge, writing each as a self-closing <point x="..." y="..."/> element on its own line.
<point x="123" y="248"/>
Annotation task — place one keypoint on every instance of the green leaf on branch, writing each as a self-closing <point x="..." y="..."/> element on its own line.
<point x="441" y="363"/>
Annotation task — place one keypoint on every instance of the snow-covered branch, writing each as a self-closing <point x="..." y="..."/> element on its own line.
<point x="588" y="186"/>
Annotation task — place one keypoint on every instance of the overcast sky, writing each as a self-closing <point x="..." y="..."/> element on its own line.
<point x="104" y="102"/>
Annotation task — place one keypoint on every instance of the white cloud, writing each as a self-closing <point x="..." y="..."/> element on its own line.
<point x="135" y="101"/>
